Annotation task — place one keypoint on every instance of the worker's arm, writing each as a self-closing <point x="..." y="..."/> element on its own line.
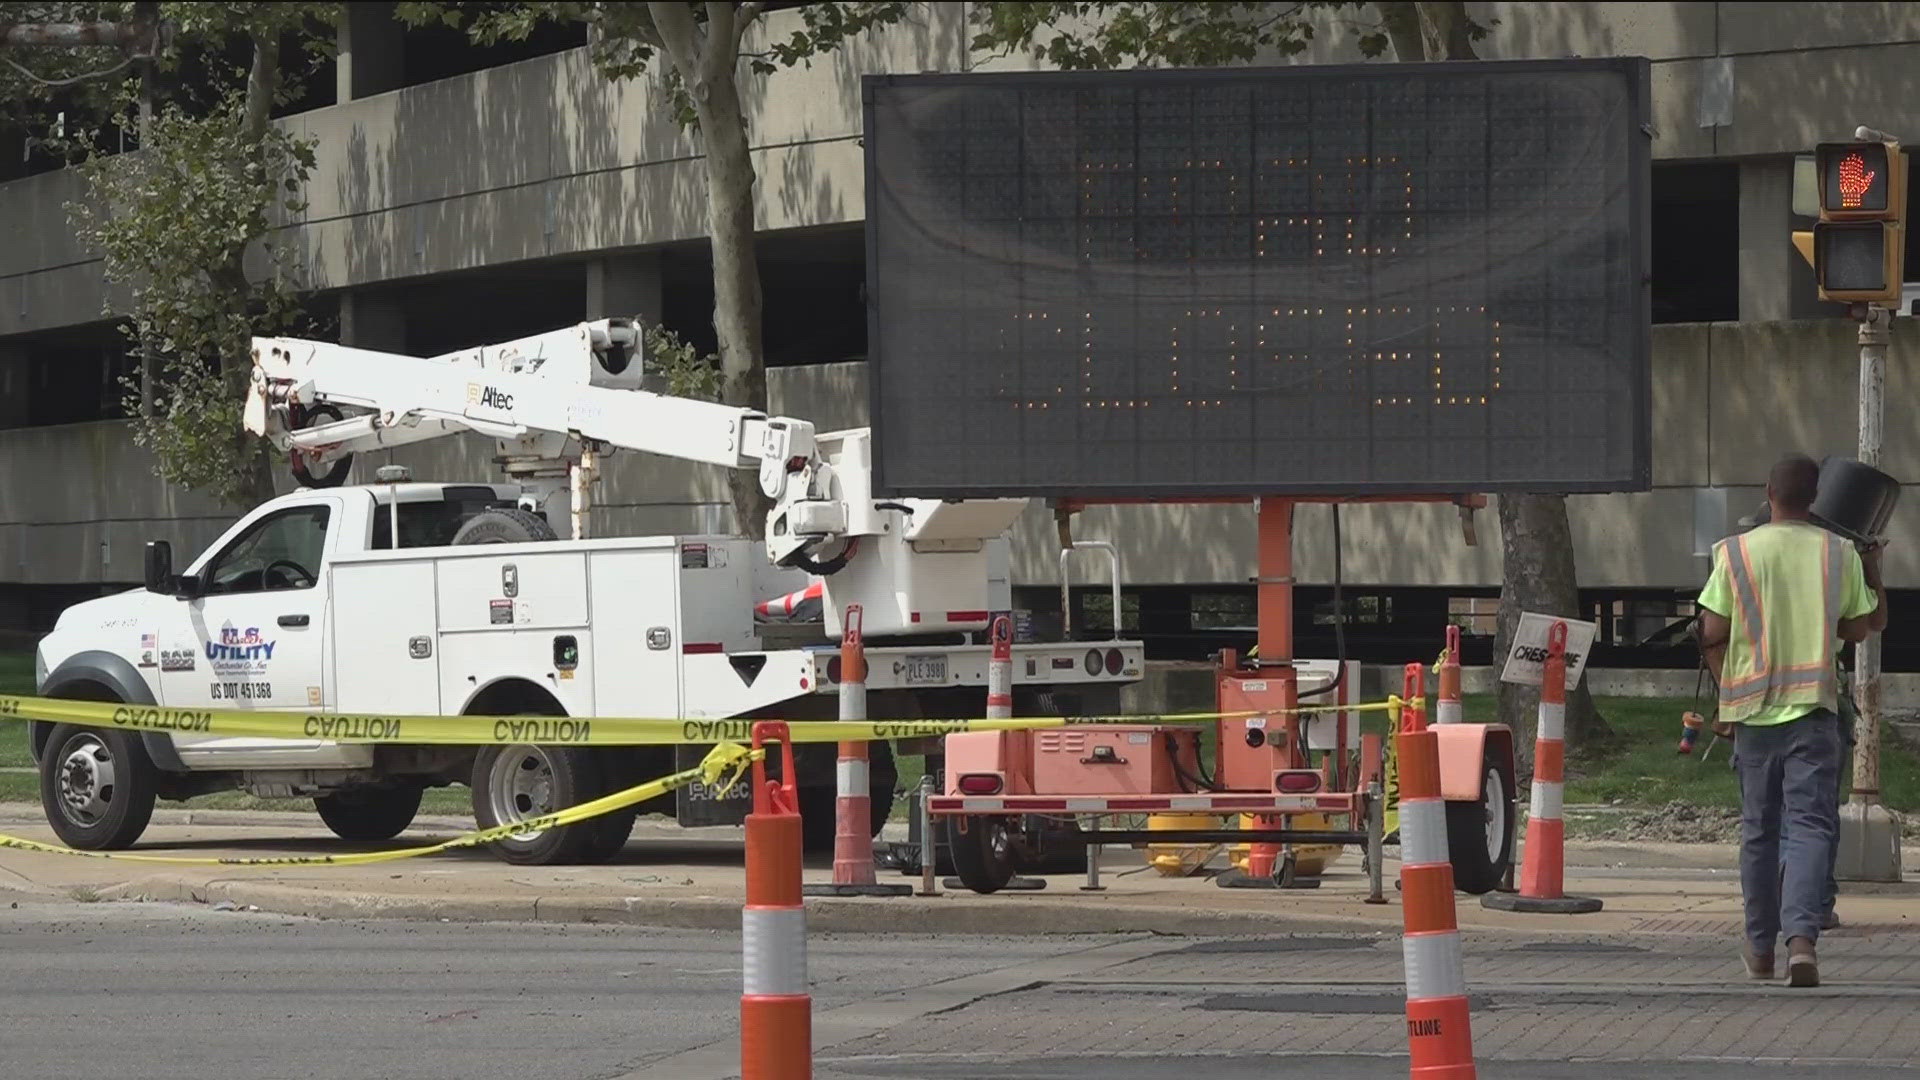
<point x="1864" y="587"/>
<point x="1716" y="603"/>
<point x="1714" y="633"/>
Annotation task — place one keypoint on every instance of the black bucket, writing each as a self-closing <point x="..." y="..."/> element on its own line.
<point x="1854" y="500"/>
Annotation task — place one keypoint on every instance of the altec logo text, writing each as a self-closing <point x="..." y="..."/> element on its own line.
<point x="491" y="397"/>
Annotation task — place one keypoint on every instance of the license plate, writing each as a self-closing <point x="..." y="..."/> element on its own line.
<point x="922" y="670"/>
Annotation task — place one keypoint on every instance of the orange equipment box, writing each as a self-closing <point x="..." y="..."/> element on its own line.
<point x="1118" y="760"/>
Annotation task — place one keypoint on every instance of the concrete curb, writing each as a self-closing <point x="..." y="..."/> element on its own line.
<point x="978" y="915"/>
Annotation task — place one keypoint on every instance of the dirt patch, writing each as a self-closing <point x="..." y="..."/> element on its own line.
<point x="1676" y="822"/>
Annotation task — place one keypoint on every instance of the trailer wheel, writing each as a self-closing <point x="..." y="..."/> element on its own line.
<point x="369" y="813"/>
<point x="96" y="787"/>
<point x="1480" y="834"/>
<point x="517" y="783"/>
<point x="504" y="526"/>
<point x="984" y="850"/>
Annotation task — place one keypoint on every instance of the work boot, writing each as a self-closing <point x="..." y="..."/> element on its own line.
<point x="1759" y="968"/>
<point x="1831" y="921"/>
<point x="1803" y="966"/>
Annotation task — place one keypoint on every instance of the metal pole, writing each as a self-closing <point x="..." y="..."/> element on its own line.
<point x="1866" y="668"/>
<point x="1869" y="838"/>
<point x="1093" y="870"/>
<point x="1376" y="843"/>
<point x="927" y="887"/>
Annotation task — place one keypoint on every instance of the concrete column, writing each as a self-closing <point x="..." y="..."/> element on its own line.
<point x="368" y="321"/>
<point x="1767" y="257"/>
<point x="15" y="397"/>
<point x="370" y="59"/>
<point x="625" y="285"/>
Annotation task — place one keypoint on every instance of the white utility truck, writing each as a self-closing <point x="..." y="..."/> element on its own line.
<point x="407" y="598"/>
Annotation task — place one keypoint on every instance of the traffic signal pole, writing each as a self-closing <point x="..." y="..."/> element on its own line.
<point x="1869" y="837"/>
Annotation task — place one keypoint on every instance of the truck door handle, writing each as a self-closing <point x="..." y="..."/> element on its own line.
<point x="293" y="620"/>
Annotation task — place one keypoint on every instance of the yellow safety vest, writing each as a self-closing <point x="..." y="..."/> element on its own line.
<point x="1776" y="657"/>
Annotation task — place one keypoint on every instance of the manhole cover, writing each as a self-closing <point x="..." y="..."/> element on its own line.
<point x="1278" y="945"/>
<point x="1579" y="947"/>
<point x="1324" y="1004"/>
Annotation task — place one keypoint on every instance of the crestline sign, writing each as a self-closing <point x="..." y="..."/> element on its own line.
<point x="1527" y="655"/>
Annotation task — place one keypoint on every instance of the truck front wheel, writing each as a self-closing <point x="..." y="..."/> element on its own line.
<point x="96" y="787"/>
<point x="369" y="813"/>
<point x="520" y="783"/>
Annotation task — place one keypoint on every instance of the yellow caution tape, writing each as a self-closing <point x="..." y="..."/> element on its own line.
<point x="552" y="730"/>
<point x="722" y="768"/>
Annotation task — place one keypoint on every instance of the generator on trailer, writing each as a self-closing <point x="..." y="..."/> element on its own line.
<point x="414" y="598"/>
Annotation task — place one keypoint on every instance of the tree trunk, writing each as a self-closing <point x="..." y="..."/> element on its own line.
<point x="736" y="272"/>
<point x="1445" y="28"/>
<point x="253" y="458"/>
<point x="1402" y="21"/>
<point x="1536" y="546"/>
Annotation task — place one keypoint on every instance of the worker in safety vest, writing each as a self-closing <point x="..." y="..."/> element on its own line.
<point x="1780" y="600"/>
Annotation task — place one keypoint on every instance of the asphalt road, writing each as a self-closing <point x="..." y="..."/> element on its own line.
<point x="172" y="992"/>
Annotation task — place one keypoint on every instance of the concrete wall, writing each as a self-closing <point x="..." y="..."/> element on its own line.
<point x="543" y="158"/>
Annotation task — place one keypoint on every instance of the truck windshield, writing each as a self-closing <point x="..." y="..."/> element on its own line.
<point x="433" y="523"/>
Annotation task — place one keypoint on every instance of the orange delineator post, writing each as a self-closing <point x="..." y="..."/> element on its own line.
<point x="1000" y="671"/>
<point x="1439" y="1028"/>
<point x="776" y="1008"/>
<point x="1448" y="710"/>
<point x="1543" y="864"/>
<point x="853" y="799"/>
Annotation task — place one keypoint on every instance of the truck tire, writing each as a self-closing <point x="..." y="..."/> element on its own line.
<point x="96" y="787"/>
<point x="369" y="813"/>
<point x="502" y="526"/>
<point x="515" y="783"/>
<point x="985" y="854"/>
<point x="819" y="817"/>
<point x="1480" y="834"/>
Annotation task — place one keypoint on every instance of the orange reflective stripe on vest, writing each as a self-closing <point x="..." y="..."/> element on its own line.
<point x="1763" y="677"/>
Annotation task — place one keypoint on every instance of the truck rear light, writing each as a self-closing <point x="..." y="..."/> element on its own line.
<point x="1114" y="661"/>
<point x="833" y="669"/>
<point x="980" y="784"/>
<point x="1296" y="781"/>
<point x="1093" y="661"/>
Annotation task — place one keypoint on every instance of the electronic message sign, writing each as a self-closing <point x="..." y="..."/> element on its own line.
<point x="1389" y="278"/>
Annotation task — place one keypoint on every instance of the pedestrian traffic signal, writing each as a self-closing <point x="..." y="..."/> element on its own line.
<point x="1859" y="244"/>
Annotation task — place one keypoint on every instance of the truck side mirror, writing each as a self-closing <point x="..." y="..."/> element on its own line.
<point x="160" y="567"/>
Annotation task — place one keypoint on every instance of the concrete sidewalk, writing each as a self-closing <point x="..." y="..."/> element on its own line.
<point x="692" y="878"/>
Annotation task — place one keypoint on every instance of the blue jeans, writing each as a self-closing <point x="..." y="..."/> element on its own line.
<point x="1846" y="750"/>
<point x="1789" y="779"/>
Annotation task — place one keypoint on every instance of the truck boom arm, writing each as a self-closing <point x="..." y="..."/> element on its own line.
<point x="544" y="399"/>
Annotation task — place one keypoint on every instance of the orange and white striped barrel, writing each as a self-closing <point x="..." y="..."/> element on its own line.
<point x="852" y="813"/>
<point x="1543" y="867"/>
<point x="1543" y="863"/>
<point x="776" y="1007"/>
<point x="784" y="607"/>
<point x="1439" y="1031"/>
<point x="1448" y="711"/>
<point x="1000" y="671"/>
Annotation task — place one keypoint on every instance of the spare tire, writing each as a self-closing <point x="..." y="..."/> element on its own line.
<point x="504" y="526"/>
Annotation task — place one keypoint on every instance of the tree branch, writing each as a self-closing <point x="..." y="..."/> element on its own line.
<point x="263" y="81"/>
<point x="678" y="34"/>
<point x="723" y="40"/>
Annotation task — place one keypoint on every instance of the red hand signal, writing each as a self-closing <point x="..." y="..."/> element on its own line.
<point x="1855" y="179"/>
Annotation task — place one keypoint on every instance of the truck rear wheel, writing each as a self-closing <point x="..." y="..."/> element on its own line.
<point x="369" y="813"/>
<point x="818" y="815"/>
<point x="96" y="787"/>
<point x="520" y="783"/>
<point x="1480" y="834"/>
